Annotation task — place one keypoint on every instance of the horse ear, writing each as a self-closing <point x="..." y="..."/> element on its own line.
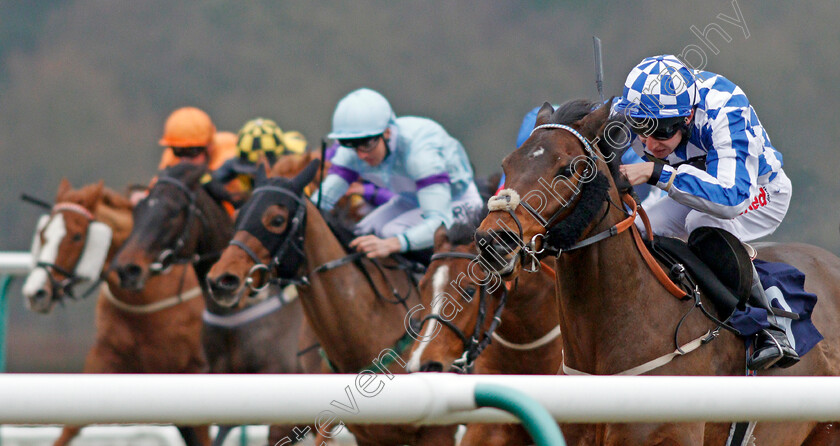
<point x="593" y="124"/>
<point x="193" y="175"/>
<point x="93" y="199"/>
<point x="441" y="239"/>
<point x="305" y="176"/>
<point x="544" y="115"/>
<point x="63" y="187"/>
<point x="261" y="173"/>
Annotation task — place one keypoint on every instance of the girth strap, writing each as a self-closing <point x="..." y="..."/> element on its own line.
<point x="656" y="363"/>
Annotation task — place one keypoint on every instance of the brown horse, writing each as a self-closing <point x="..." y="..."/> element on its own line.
<point x="614" y="313"/>
<point x="153" y="330"/>
<point x="356" y="307"/>
<point x="180" y="223"/>
<point x="526" y="341"/>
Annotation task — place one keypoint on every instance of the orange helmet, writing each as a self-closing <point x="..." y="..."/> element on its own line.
<point x="188" y="127"/>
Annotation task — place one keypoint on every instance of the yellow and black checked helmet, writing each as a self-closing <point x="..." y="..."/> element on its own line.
<point x="264" y="135"/>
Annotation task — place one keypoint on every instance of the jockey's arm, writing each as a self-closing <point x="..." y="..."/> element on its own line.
<point x="723" y="189"/>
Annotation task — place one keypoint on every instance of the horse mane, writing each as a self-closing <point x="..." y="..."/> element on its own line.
<point x="115" y="200"/>
<point x="342" y="232"/>
<point x="614" y="143"/>
<point x="594" y="193"/>
<point x="462" y="233"/>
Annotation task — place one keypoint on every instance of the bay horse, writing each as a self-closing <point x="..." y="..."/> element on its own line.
<point x="525" y="338"/>
<point x="614" y="313"/>
<point x="179" y="223"/>
<point x="356" y="307"/>
<point x="153" y="330"/>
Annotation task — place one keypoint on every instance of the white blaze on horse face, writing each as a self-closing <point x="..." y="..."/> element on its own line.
<point x="537" y="153"/>
<point x="53" y="234"/>
<point x="439" y="280"/>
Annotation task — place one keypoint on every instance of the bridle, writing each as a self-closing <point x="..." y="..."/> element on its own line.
<point x="70" y="277"/>
<point x="169" y="257"/>
<point x="292" y="245"/>
<point x="476" y="343"/>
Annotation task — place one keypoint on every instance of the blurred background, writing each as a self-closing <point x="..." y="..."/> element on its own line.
<point x="85" y="86"/>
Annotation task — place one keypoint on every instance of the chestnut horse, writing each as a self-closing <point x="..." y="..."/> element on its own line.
<point x="356" y="307"/>
<point x="153" y="330"/>
<point x="180" y="223"/>
<point x="614" y="313"/>
<point x="525" y="342"/>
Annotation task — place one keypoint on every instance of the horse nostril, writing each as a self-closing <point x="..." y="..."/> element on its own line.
<point x="129" y="274"/>
<point x="41" y="294"/>
<point x="226" y="282"/>
<point x="431" y="366"/>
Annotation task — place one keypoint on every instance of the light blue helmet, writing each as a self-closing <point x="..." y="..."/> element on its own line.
<point x="360" y="114"/>
<point x="659" y="87"/>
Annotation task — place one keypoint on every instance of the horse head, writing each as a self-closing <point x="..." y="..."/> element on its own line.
<point x="69" y="248"/>
<point x="461" y="301"/>
<point x="178" y="222"/>
<point x="556" y="184"/>
<point x="267" y="241"/>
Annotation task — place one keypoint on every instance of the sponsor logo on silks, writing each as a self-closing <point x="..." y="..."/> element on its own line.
<point x="760" y="200"/>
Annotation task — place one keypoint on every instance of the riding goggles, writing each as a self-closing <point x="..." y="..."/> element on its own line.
<point x="363" y="145"/>
<point x="188" y="152"/>
<point x="660" y="129"/>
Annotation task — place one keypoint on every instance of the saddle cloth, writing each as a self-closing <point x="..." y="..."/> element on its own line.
<point x="783" y="284"/>
<point x="785" y="288"/>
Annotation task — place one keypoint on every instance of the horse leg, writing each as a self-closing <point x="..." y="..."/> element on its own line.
<point x="222" y="434"/>
<point x="67" y="434"/>
<point x="436" y="435"/>
<point x="193" y="437"/>
<point x="669" y="434"/>
<point x="824" y="434"/>
<point x="495" y="435"/>
<point x="281" y="434"/>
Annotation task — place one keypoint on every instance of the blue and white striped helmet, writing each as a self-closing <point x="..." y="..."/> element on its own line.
<point x="658" y="87"/>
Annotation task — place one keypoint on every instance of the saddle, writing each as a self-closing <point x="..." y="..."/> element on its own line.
<point x="714" y="260"/>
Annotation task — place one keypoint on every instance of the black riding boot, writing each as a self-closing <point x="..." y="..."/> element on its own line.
<point x="771" y="345"/>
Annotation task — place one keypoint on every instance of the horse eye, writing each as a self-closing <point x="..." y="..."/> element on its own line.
<point x="77" y="237"/>
<point x="470" y="290"/>
<point x="278" y="221"/>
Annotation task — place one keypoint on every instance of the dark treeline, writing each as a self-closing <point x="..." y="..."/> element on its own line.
<point x="85" y="85"/>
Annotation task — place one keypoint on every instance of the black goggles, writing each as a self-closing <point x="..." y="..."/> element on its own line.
<point x="660" y="129"/>
<point x="364" y="145"/>
<point x="188" y="152"/>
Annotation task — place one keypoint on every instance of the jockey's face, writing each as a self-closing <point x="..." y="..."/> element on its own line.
<point x="375" y="156"/>
<point x="661" y="148"/>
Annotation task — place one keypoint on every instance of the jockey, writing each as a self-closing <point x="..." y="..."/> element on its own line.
<point x="189" y="135"/>
<point x="259" y="138"/>
<point x="414" y="157"/>
<point x="704" y="146"/>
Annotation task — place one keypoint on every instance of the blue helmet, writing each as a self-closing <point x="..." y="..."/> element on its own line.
<point x="360" y="114"/>
<point x="659" y="87"/>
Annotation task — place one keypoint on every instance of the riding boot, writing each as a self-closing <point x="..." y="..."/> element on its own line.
<point x="771" y="345"/>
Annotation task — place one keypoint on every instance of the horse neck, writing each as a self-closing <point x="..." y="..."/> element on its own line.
<point x="119" y="220"/>
<point x="604" y="292"/>
<point x="354" y="326"/>
<point x="531" y="309"/>
<point x="216" y="230"/>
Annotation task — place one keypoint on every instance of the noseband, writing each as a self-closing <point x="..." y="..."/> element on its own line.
<point x="70" y="277"/>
